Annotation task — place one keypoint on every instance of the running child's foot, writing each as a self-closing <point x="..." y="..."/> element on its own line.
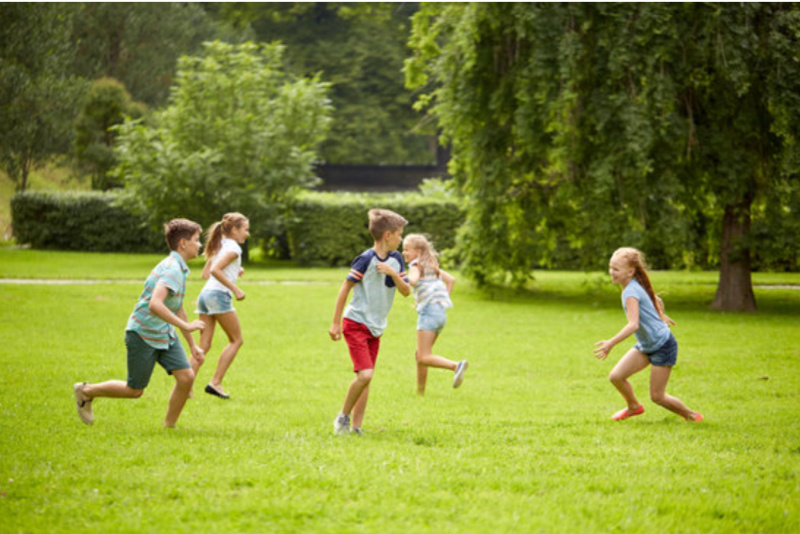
<point x="83" y="403"/>
<point x="357" y="432"/>
<point x="460" y="370"/>
<point x="341" y="425"/>
<point x="211" y="390"/>
<point x="627" y="412"/>
<point x="696" y="418"/>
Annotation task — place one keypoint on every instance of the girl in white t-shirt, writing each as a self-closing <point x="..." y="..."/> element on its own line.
<point x="432" y="288"/>
<point x="215" y="304"/>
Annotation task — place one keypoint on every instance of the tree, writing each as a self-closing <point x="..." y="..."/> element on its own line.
<point x="38" y="96"/>
<point x="359" y="48"/>
<point x="580" y="127"/>
<point x="239" y="135"/>
<point x="139" y="43"/>
<point x="106" y="105"/>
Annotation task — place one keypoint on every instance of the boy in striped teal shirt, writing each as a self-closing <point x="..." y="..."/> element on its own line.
<point x="150" y="334"/>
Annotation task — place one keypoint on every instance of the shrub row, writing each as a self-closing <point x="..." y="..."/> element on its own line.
<point x="86" y="221"/>
<point x="333" y="228"/>
<point x="323" y="228"/>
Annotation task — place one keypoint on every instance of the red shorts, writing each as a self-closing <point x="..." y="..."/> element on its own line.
<point x="362" y="344"/>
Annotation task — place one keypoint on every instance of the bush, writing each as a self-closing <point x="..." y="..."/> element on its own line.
<point x="86" y="221"/>
<point x="332" y="228"/>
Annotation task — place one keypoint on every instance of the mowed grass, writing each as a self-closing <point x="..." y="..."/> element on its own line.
<point x="525" y="445"/>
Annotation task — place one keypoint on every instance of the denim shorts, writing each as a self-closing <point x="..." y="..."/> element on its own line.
<point x="666" y="355"/>
<point x="432" y="318"/>
<point x="214" y="301"/>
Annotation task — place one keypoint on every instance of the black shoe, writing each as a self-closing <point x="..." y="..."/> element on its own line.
<point x="211" y="390"/>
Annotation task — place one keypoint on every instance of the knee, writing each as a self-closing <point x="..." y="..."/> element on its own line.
<point x="658" y="397"/>
<point x="135" y="393"/>
<point x="418" y="357"/>
<point x="365" y="376"/>
<point x="615" y="378"/>
<point x="185" y="377"/>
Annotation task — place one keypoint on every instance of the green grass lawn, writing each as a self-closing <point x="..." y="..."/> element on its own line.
<point x="525" y="445"/>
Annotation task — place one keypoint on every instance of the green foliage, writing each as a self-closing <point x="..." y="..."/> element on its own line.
<point x="577" y="128"/>
<point x="139" y="43"/>
<point x="85" y="221"/>
<point x="332" y="228"/>
<point x="239" y="135"/>
<point x="359" y="49"/>
<point x="38" y="94"/>
<point x="106" y="105"/>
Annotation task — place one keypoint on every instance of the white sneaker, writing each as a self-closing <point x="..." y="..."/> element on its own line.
<point x="83" y="404"/>
<point x="357" y="432"/>
<point x="459" y="377"/>
<point x="341" y="425"/>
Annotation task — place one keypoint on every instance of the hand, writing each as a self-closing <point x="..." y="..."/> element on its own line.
<point x="241" y="272"/>
<point x="198" y="354"/>
<point x="239" y="294"/>
<point x="602" y="352"/>
<point x="668" y="320"/>
<point x="385" y="268"/>
<point x="335" y="332"/>
<point x="196" y="325"/>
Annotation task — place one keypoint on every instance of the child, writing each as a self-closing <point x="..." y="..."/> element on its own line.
<point x="374" y="276"/>
<point x="223" y="266"/>
<point x="150" y="333"/>
<point x="432" y="289"/>
<point x="656" y="345"/>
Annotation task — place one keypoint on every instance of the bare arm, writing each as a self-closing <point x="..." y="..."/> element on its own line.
<point x="217" y="272"/>
<point x="402" y="286"/>
<point x="632" y="306"/>
<point x="161" y="311"/>
<point x="448" y="279"/>
<point x="198" y="353"/>
<point x="207" y="268"/>
<point x="336" y="327"/>
<point x="413" y="275"/>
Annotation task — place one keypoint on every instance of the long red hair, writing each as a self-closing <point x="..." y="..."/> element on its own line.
<point x="635" y="260"/>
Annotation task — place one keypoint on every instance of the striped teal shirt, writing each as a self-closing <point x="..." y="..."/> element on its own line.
<point x="170" y="273"/>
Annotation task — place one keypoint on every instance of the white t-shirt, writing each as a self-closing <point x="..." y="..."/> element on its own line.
<point x="231" y="272"/>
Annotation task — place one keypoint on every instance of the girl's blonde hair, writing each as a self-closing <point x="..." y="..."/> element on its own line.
<point x="428" y="257"/>
<point x="216" y="231"/>
<point x="635" y="259"/>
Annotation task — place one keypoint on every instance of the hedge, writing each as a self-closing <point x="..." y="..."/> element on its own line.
<point x="85" y="221"/>
<point x="332" y="228"/>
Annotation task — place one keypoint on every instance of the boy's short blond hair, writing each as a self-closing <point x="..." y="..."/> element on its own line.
<point x="382" y="221"/>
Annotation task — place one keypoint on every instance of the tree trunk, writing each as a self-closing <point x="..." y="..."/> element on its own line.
<point x="735" y="289"/>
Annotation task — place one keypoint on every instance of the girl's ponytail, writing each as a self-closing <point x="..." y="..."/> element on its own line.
<point x="213" y="240"/>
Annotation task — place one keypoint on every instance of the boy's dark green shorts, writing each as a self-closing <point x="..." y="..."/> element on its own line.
<point x="142" y="359"/>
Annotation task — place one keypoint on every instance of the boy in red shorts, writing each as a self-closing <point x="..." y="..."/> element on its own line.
<point x="373" y="277"/>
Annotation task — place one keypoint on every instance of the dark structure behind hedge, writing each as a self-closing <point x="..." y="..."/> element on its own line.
<point x="323" y="228"/>
<point x="86" y="221"/>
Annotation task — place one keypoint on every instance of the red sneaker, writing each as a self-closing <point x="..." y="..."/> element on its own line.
<point x="698" y="418"/>
<point x="627" y="412"/>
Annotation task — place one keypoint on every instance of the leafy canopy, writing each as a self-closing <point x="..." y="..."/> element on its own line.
<point x="239" y="135"/>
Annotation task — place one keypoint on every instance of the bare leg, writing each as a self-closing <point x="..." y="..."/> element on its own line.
<point x="354" y="393"/>
<point x="184" y="378"/>
<point x="206" y="336"/>
<point x="230" y="324"/>
<point x="116" y="389"/>
<point x="630" y="364"/>
<point x="659" y="376"/>
<point x="422" y="377"/>
<point x="360" y="408"/>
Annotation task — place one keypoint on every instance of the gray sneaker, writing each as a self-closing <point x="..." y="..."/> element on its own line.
<point x="459" y="377"/>
<point x="341" y="425"/>
<point x="357" y="432"/>
<point x="83" y="404"/>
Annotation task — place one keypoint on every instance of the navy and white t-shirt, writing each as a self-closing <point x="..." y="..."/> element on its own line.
<point x="373" y="293"/>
